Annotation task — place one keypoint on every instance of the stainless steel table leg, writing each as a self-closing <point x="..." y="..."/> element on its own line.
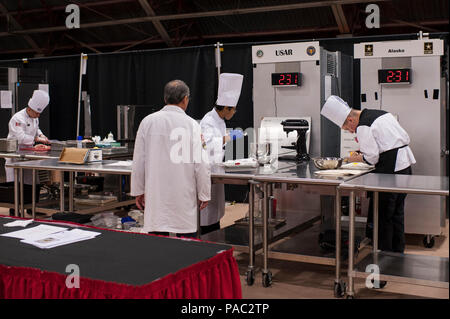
<point x="375" y="221"/>
<point x="61" y="192"/>
<point x="71" y="191"/>
<point x="339" y="286"/>
<point x="251" y="235"/>
<point x="33" y="194"/>
<point x="267" y="275"/>
<point x="16" y="192"/>
<point x="199" y="228"/>
<point x="351" y="244"/>
<point x="22" y="207"/>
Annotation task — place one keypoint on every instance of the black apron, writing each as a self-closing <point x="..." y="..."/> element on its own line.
<point x="387" y="160"/>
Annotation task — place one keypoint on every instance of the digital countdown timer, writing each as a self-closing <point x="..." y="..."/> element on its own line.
<point x="387" y="76"/>
<point x="286" y="79"/>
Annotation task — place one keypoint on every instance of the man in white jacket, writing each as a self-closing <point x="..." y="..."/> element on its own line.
<point x="215" y="136"/>
<point x="24" y="127"/>
<point x="170" y="175"/>
<point x="384" y="144"/>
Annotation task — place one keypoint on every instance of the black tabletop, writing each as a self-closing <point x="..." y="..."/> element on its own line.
<point x="120" y="257"/>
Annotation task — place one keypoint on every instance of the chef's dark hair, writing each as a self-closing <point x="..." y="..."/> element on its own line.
<point x="175" y="91"/>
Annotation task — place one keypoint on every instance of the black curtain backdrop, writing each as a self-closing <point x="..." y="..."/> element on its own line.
<point x="138" y="78"/>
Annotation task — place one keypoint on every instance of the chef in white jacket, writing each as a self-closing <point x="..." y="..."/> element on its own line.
<point x="215" y="136"/>
<point x="24" y="127"/>
<point x="170" y="175"/>
<point x="384" y="144"/>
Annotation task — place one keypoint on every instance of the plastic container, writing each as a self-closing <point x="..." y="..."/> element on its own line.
<point x="79" y="141"/>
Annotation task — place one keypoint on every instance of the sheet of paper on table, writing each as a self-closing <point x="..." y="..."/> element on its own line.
<point x="19" y="223"/>
<point x="34" y="232"/>
<point x="61" y="238"/>
<point x="121" y="163"/>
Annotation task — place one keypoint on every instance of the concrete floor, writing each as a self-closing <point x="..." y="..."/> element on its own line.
<point x="296" y="280"/>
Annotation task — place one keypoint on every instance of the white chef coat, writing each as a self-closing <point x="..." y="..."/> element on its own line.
<point x="171" y="186"/>
<point x="213" y="130"/>
<point x="23" y="128"/>
<point x="379" y="132"/>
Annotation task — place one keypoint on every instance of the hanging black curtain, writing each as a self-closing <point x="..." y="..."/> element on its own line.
<point x="138" y="78"/>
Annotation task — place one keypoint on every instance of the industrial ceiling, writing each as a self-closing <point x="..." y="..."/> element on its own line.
<point x="38" y="27"/>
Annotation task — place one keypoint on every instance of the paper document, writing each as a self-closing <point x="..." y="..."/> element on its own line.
<point x="61" y="238"/>
<point x="19" y="223"/>
<point x="121" y="163"/>
<point x="6" y="99"/>
<point x="34" y="232"/>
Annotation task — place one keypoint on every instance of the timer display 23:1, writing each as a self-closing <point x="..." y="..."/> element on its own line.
<point x="394" y="76"/>
<point x="292" y="79"/>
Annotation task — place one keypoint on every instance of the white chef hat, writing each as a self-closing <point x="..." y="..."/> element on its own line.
<point x="230" y="85"/>
<point x="39" y="101"/>
<point x="336" y="110"/>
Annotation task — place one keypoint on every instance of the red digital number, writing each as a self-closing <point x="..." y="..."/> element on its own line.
<point x="280" y="81"/>
<point x="407" y="75"/>
<point x="289" y="79"/>
<point x="399" y="76"/>
<point x="390" y="76"/>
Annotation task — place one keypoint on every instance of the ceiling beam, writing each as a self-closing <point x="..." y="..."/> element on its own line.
<point x="17" y="26"/>
<point x="56" y="8"/>
<point x="82" y="43"/>
<point x="233" y="35"/>
<point x="194" y="15"/>
<point x="156" y="23"/>
<point x="341" y="21"/>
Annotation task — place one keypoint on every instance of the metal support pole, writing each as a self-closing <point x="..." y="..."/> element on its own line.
<point x="16" y="192"/>
<point x="61" y="192"/>
<point x="351" y="243"/>
<point x="33" y="194"/>
<point x="199" y="229"/>
<point x="375" y="221"/>
<point x="251" y="229"/>
<point x="22" y="207"/>
<point x="71" y="182"/>
<point x="265" y="226"/>
<point x="218" y="60"/>
<point x="337" y="212"/>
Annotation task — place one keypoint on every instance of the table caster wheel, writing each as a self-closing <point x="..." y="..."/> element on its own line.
<point x="339" y="289"/>
<point x="428" y="241"/>
<point x="379" y="284"/>
<point x="267" y="279"/>
<point x="250" y="277"/>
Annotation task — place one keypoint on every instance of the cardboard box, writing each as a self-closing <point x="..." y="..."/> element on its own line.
<point x="74" y="155"/>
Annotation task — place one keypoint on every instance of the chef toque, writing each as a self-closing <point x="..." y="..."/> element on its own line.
<point x="39" y="101"/>
<point x="336" y="110"/>
<point x="230" y="85"/>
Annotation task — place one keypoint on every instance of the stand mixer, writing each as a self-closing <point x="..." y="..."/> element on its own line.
<point x="301" y="126"/>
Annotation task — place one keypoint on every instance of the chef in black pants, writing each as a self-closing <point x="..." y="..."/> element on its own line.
<point x="383" y="143"/>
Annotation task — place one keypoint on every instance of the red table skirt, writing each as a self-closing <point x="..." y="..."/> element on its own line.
<point x="215" y="278"/>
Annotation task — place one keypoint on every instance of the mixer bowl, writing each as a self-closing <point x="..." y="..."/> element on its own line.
<point x="327" y="162"/>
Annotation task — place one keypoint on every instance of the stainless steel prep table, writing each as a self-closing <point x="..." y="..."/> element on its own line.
<point x="406" y="268"/>
<point x="33" y="155"/>
<point x="242" y="238"/>
<point x="304" y="174"/>
<point x="53" y="165"/>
